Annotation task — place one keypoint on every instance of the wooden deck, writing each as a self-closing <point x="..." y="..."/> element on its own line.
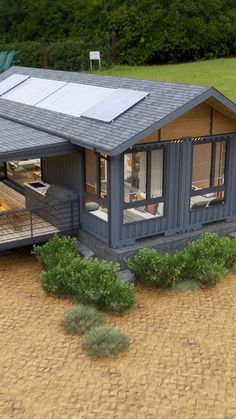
<point x="16" y="222"/>
<point x="20" y="226"/>
<point x="10" y="199"/>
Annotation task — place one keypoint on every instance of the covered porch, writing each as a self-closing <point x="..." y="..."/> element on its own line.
<point x="17" y="223"/>
<point x="21" y="225"/>
<point x="35" y="202"/>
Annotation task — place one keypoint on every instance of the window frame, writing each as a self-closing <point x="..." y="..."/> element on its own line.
<point x="212" y="188"/>
<point x="97" y="196"/>
<point x="148" y="200"/>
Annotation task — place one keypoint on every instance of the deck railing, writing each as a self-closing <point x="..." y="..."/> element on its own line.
<point x="32" y="224"/>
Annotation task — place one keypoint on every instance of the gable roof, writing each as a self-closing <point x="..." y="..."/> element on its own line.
<point x="165" y="103"/>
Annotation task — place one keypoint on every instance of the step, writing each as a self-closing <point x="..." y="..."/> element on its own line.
<point x="126" y="276"/>
<point x="84" y="250"/>
<point x="232" y="235"/>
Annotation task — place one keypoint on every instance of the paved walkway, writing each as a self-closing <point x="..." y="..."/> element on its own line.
<point x="181" y="362"/>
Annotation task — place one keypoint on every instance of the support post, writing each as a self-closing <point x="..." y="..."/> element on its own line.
<point x="231" y="180"/>
<point x="115" y="201"/>
<point x="81" y="176"/>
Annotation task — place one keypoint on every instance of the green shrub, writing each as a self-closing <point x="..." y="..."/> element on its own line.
<point x="99" y="284"/>
<point x="205" y="260"/>
<point x="161" y="270"/>
<point x="64" y="278"/>
<point x="105" y="341"/>
<point x="70" y="54"/>
<point x="208" y="258"/>
<point x="58" y="251"/>
<point x="213" y="247"/>
<point x="81" y="318"/>
<point x="92" y="281"/>
<point x="145" y="264"/>
<point x="207" y="272"/>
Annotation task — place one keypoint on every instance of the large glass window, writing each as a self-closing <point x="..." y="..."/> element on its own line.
<point x="96" y="181"/>
<point x="156" y="173"/>
<point x="135" y="176"/>
<point x="208" y="174"/>
<point x="22" y="171"/>
<point x="143" y="185"/>
<point x="219" y="176"/>
<point x="103" y="176"/>
<point x="90" y="172"/>
<point x="201" y="165"/>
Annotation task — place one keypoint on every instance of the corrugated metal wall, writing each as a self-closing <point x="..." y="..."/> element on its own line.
<point x="62" y="170"/>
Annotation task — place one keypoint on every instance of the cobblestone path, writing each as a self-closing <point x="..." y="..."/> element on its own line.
<point x="181" y="362"/>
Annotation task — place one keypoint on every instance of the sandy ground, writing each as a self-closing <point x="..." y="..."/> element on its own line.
<point x="181" y="362"/>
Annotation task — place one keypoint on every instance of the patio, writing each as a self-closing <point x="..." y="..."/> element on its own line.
<point x="183" y="344"/>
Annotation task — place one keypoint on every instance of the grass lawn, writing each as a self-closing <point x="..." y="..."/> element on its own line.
<point x="220" y="73"/>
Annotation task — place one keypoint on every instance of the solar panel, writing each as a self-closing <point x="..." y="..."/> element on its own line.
<point x="118" y="102"/>
<point x="33" y="90"/>
<point x="74" y="99"/>
<point x="100" y="103"/>
<point x="11" y="82"/>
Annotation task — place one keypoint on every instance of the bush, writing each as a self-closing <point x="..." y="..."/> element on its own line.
<point x="99" y="284"/>
<point x="105" y="341"/>
<point x="68" y="54"/>
<point x="81" y="318"/>
<point x="91" y="281"/>
<point x="161" y="270"/>
<point x="213" y="247"/>
<point x="205" y="260"/>
<point x="208" y="258"/>
<point x="56" y="252"/>
<point x="207" y="272"/>
<point x="145" y="264"/>
<point x="64" y="279"/>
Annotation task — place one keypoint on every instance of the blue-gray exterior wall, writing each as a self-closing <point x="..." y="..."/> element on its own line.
<point x="68" y="171"/>
<point x="178" y="218"/>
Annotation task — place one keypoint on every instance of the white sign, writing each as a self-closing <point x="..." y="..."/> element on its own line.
<point x="94" y="55"/>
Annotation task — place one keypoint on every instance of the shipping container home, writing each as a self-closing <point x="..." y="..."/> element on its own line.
<point x="121" y="159"/>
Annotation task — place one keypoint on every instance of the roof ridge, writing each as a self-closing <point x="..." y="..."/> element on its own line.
<point x="103" y="76"/>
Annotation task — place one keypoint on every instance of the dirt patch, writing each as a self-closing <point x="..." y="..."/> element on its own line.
<point x="181" y="362"/>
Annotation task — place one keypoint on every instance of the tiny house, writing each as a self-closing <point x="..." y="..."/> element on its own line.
<point x="121" y="159"/>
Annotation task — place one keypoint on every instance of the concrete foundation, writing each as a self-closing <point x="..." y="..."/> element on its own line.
<point x="161" y="243"/>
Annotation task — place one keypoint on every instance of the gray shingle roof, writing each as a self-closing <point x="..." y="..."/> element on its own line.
<point x="165" y="102"/>
<point x="17" y="137"/>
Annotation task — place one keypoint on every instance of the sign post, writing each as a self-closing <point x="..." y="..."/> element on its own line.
<point x="94" y="56"/>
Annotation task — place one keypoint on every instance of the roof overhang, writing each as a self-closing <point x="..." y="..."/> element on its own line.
<point x="211" y="93"/>
<point x="38" y="152"/>
<point x="19" y="141"/>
